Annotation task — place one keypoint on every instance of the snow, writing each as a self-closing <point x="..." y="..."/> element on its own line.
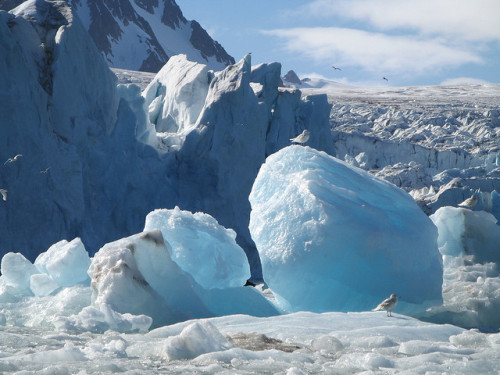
<point x="333" y="237"/>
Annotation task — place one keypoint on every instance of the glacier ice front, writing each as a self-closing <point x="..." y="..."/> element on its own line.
<point x="333" y="237"/>
<point x="470" y="244"/>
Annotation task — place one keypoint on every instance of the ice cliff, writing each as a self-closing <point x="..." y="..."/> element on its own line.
<point x="97" y="158"/>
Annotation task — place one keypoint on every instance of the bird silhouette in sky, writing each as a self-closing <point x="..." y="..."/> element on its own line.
<point x="335" y="68"/>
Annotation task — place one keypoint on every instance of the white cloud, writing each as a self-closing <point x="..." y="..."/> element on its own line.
<point x="464" y="81"/>
<point x="373" y="52"/>
<point x="468" y="20"/>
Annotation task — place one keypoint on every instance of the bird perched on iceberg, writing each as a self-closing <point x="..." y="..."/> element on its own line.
<point x="4" y="194"/>
<point x="388" y="304"/>
<point x="12" y="160"/>
<point x="302" y="137"/>
<point x="469" y="202"/>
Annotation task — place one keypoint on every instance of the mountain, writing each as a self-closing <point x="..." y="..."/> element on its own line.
<point x="143" y="35"/>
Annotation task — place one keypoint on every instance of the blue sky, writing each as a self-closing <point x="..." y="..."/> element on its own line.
<point x="411" y="42"/>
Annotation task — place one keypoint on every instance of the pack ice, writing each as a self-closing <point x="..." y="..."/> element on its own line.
<point x="134" y="283"/>
<point x="333" y="237"/>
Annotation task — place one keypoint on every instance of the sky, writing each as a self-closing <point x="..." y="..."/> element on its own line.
<point x="409" y="42"/>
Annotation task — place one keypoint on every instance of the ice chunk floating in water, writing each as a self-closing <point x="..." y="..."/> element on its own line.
<point x="202" y="247"/>
<point x="333" y="237"/>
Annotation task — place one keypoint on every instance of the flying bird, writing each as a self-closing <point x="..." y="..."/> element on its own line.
<point x="388" y="304"/>
<point x="12" y="160"/>
<point x="4" y="194"/>
<point x="45" y="171"/>
<point x="469" y="202"/>
<point x="385" y="79"/>
<point x="335" y="68"/>
<point x="302" y="137"/>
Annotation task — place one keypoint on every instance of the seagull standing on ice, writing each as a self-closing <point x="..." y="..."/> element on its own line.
<point x="469" y="202"/>
<point x="302" y="137"/>
<point x="12" y="160"/>
<point x="388" y="304"/>
<point x="4" y="194"/>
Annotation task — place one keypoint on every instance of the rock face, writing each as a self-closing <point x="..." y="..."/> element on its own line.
<point x="143" y="35"/>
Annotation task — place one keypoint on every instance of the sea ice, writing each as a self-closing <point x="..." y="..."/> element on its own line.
<point x="16" y="273"/>
<point x="42" y="284"/>
<point x="333" y="237"/>
<point x="202" y="247"/>
<point x="66" y="262"/>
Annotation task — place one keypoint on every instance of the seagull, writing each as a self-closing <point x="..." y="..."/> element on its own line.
<point x="385" y="79"/>
<point x="388" y="304"/>
<point x="469" y="202"/>
<point x="12" y="160"/>
<point x="45" y="171"/>
<point x="302" y="137"/>
<point x="4" y="194"/>
<point x="335" y="68"/>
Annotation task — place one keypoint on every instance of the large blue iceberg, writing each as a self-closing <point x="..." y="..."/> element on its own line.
<point x="334" y="238"/>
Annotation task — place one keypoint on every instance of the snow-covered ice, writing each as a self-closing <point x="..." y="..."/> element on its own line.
<point x="298" y="343"/>
<point x="333" y="237"/>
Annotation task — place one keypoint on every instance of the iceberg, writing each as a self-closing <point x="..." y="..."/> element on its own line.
<point x="469" y="242"/>
<point x="137" y="275"/>
<point x="66" y="262"/>
<point x="202" y="247"/>
<point x="334" y="238"/>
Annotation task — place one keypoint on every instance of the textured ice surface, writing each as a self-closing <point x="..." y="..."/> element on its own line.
<point x="470" y="244"/>
<point x="464" y="232"/>
<point x="202" y="247"/>
<point x="66" y="262"/>
<point x="137" y="275"/>
<point x="299" y="343"/>
<point x="333" y="237"/>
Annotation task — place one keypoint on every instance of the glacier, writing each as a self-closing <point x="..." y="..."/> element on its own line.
<point x="110" y="154"/>
<point x="115" y="181"/>
<point x="332" y="237"/>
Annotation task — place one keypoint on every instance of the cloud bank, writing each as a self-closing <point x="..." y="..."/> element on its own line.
<point x="405" y="38"/>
